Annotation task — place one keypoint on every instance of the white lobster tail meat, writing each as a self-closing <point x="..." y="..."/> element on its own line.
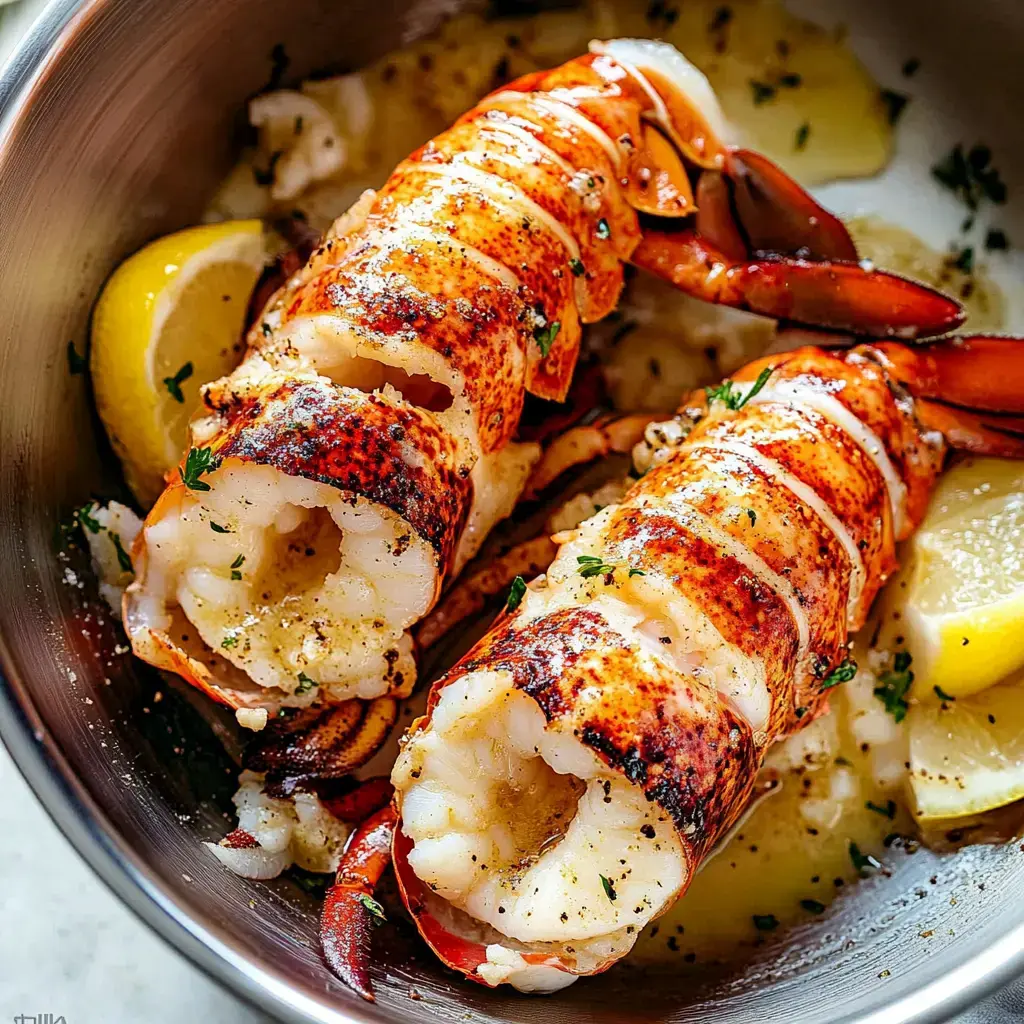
<point x="366" y="445"/>
<point x="576" y="767"/>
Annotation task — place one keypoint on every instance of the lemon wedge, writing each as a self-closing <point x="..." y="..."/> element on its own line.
<point x="967" y="756"/>
<point x="169" y="320"/>
<point x="963" y="604"/>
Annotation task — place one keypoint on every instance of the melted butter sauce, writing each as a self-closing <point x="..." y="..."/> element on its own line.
<point x="795" y="92"/>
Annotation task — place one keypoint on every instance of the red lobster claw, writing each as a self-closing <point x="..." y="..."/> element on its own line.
<point x="349" y="908"/>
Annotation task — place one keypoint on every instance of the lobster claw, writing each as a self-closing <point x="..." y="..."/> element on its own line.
<point x="349" y="910"/>
<point x="778" y="216"/>
<point x="834" y="295"/>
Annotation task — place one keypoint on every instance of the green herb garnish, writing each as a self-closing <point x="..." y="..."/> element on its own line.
<point x="516" y="593"/>
<point x="964" y="261"/>
<point x="230" y="640"/>
<point x="305" y="684"/>
<point x="894" y="103"/>
<point x="842" y="673"/>
<point x="123" y="559"/>
<point x="636" y="572"/>
<point x="735" y="399"/>
<point x="545" y="336"/>
<point x="236" y="566"/>
<point x="762" y="92"/>
<point x="217" y="528"/>
<point x="609" y="889"/>
<point x="941" y="694"/>
<point x="752" y="516"/>
<point x="803" y="133"/>
<point x="971" y="176"/>
<point x="592" y="565"/>
<point x="372" y="906"/>
<point x="173" y="384"/>
<point x="86" y="520"/>
<point x="197" y="462"/>
<point x="862" y="861"/>
<point x="577" y="268"/>
<point x="895" y="685"/>
<point x="889" y="810"/>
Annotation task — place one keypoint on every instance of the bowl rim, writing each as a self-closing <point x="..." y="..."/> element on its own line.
<point x="41" y="763"/>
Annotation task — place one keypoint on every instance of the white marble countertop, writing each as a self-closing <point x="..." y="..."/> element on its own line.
<point x="67" y="945"/>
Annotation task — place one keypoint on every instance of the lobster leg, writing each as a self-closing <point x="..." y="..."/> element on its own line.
<point x="833" y="295"/>
<point x="366" y="798"/>
<point x="349" y="907"/>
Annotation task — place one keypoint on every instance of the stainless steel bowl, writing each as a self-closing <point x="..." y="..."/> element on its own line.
<point x="118" y="117"/>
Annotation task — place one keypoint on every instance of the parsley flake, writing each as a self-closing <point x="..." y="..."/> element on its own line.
<point x="762" y="92"/>
<point x="173" y="384"/>
<point x="636" y="572"/>
<point x="803" y="133"/>
<point x="895" y="686"/>
<point x="842" y="673"/>
<point x="545" y="336"/>
<point x="862" y="861"/>
<point x="964" y="260"/>
<point x="230" y="640"/>
<point x="305" y="684"/>
<point x="372" y="906"/>
<point x="197" y="462"/>
<point x="516" y="593"/>
<point x="894" y="104"/>
<point x="86" y="519"/>
<point x="217" y="528"/>
<point x="970" y="176"/>
<point x="123" y="558"/>
<point x="577" y="268"/>
<point x="609" y="889"/>
<point x="735" y="399"/>
<point x="889" y="810"/>
<point x="752" y="516"/>
<point x="941" y="694"/>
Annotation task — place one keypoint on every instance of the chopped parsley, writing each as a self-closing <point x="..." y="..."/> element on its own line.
<point x="197" y="462"/>
<point x="173" y="384"/>
<point x="735" y="399"/>
<point x="894" y="103"/>
<point x="76" y="364"/>
<point x="603" y="230"/>
<point x="266" y="329"/>
<point x="592" y="565"/>
<point x="516" y="593"/>
<point x="813" y="906"/>
<point x="123" y="558"/>
<point x="752" y="516"/>
<point x="842" y="673"/>
<point x="765" y="922"/>
<point x="970" y="176"/>
<point x="86" y="519"/>
<point x="217" y="528"/>
<point x="577" y="268"/>
<point x="894" y="686"/>
<point x="236" y="566"/>
<point x="889" y="810"/>
<point x="609" y="889"/>
<point x="862" y="861"/>
<point x="802" y="135"/>
<point x="230" y="640"/>
<point x="545" y="336"/>
<point x="964" y="260"/>
<point x="996" y="239"/>
<point x="372" y="906"/>
<point x="305" y="684"/>
<point x="762" y="92"/>
<point x="941" y="694"/>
